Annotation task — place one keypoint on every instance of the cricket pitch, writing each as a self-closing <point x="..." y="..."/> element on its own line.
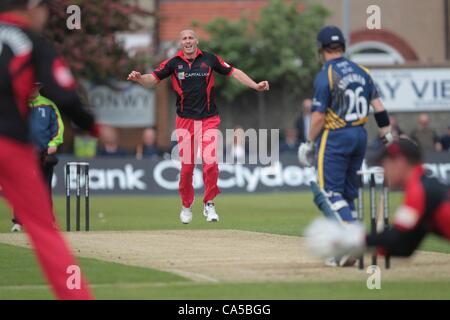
<point x="233" y="256"/>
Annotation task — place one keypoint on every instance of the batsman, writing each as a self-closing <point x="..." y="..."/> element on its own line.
<point x="337" y="139"/>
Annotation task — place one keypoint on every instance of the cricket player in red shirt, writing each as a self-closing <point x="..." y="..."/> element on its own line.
<point x="192" y="75"/>
<point x="425" y="209"/>
<point x="26" y="58"/>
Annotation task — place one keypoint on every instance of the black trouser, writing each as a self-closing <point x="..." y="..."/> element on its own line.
<point x="47" y="164"/>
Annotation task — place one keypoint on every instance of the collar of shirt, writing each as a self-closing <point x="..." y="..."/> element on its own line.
<point x="197" y="53"/>
<point x="333" y="61"/>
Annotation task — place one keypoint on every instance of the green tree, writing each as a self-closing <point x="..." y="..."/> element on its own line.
<point x="279" y="46"/>
<point x="93" y="52"/>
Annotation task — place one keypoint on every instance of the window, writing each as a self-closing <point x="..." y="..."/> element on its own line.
<point x="374" y="53"/>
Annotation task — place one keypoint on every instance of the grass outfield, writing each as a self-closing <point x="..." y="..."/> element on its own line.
<point x="285" y="214"/>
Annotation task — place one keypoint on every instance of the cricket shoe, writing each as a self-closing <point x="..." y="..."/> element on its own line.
<point x="186" y="215"/>
<point x="16" y="227"/>
<point x="210" y="213"/>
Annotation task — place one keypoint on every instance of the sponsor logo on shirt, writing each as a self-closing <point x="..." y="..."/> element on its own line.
<point x="184" y="75"/>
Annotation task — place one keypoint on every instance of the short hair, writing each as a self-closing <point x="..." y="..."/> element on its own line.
<point x="8" y="5"/>
<point x="195" y="34"/>
<point x="334" y="47"/>
<point x="403" y="147"/>
<point x="13" y="4"/>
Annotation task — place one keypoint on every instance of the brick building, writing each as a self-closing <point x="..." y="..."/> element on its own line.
<point x="413" y="31"/>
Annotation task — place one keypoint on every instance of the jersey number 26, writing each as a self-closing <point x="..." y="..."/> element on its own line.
<point x="357" y="104"/>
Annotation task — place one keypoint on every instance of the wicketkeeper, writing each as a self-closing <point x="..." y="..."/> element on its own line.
<point x="191" y="72"/>
<point x="425" y="209"/>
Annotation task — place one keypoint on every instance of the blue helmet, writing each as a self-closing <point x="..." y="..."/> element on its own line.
<point x="330" y="35"/>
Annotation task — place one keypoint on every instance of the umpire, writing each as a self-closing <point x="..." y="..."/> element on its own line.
<point x="46" y="134"/>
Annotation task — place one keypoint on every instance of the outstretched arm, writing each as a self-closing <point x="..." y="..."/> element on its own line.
<point x="327" y="238"/>
<point x="243" y="78"/>
<point x="396" y="242"/>
<point x="146" y="80"/>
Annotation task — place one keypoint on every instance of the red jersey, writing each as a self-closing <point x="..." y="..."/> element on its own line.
<point x="26" y="58"/>
<point x="425" y="209"/>
<point x="193" y="82"/>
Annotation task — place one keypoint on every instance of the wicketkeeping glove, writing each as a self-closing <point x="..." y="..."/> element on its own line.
<point x="327" y="238"/>
<point x="306" y="153"/>
<point x="387" y="138"/>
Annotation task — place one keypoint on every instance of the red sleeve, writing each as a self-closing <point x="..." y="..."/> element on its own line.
<point x="164" y="70"/>
<point x="221" y="66"/>
<point x="59" y="83"/>
<point x="442" y="219"/>
<point x="412" y="210"/>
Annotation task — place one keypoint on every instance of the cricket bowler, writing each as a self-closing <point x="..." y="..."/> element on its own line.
<point x="425" y="209"/>
<point x="191" y="72"/>
<point x="26" y="58"/>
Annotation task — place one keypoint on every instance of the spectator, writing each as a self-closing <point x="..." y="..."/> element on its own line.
<point x="303" y="121"/>
<point x="110" y="144"/>
<point x="445" y="140"/>
<point x="395" y="128"/>
<point x="290" y="143"/>
<point x="84" y="146"/>
<point x="424" y="135"/>
<point x="148" y="148"/>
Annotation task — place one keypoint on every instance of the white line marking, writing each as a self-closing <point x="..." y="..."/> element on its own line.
<point x="193" y="276"/>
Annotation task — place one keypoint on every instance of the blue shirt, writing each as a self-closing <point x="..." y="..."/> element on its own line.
<point x="343" y="90"/>
<point x="46" y="126"/>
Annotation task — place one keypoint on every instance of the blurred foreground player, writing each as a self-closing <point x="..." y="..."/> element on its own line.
<point x="46" y="134"/>
<point x="26" y="58"/>
<point x="425" y="209"/>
